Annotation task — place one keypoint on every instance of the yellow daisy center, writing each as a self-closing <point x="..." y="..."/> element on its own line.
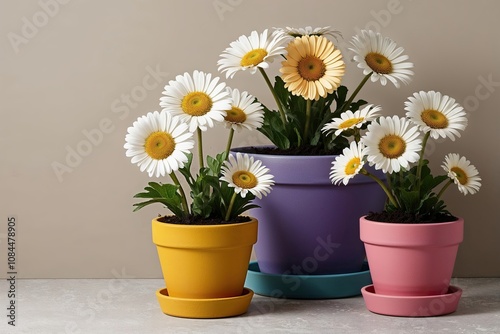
<point x="460" y="175"/>
<point x="159" y="145"/>
<point x="378" y="63"/>
<point x="235" y="115"/>
<point x="352" y="165"/>
<point x="311" y="68"/>
<point x="253" y="58"/>
<point x="434" y="119"/>
<point x="350" y="122"/>
<point x="392" y="146"/>
<point x="244" y="179"/>
<point x="196" y="104"/>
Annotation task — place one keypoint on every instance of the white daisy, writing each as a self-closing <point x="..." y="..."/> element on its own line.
<point x="246" y="175"/>
<point x="198" y="100"/>
<point x="380" y="55"/>
<point x="350" y="120"/>
<point x="298" y="32"/>
<point x="348" y="164"/>
<point x="245" y="112"/>
<point x="158" y="143"/>
<point x="462" y="173"/>
<point x="435" y="113"/>
<point x="251" y="52"/>
<point x="392" y="144"/>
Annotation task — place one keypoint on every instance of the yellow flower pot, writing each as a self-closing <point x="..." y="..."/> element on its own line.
<point x="204" y="261"/>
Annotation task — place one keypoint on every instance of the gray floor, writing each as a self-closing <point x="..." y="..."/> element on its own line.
<point x="130" y="306"/>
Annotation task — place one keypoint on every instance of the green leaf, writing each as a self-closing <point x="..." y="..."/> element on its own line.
<point x="290" y="134"/>
<point x="430" y="182"/>
<point x="186" y="170"/>
<point x="341" y="95"/>
<point x="281" y="91"/>
<point x="410" y="200"/>
<point x="166" y="194"/>
<point x="274" y="129"/>
<point x="215" y="164"/>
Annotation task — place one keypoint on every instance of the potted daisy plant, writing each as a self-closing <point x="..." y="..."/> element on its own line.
<point x="313" y="120"/>
<point x="412" y="244"/>
<point x="204" y="245"/>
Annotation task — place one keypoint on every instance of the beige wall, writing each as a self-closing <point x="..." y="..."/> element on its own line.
<point x="70" y="67"/>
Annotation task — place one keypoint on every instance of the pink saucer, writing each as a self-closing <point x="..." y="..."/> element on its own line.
<point x="412" y="306"/>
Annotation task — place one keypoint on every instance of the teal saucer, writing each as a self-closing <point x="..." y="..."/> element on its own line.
<point x="307" y="286"/>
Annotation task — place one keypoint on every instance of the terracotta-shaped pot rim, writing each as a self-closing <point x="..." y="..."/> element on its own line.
<point x="249" y="149"/>
<point x="313" y="169"/>
<point x="410" y="224"/>
<point x="204" y="236"/>
<point x="408" y="235"/>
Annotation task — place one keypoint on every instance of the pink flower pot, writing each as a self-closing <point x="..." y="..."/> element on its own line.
<point x="411" y="259"/>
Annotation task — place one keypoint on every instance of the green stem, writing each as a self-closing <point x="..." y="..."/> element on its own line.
<point x="308" y="119"/>
<point x="276" y="98"/>
<point x="421" y="159"/>
<point x="383" y="186"/>
<point x="450" y="181"/>
<point x="357" y="135"/>
<point x="229" y="141"/>
<point x="230" y="208"/>
<point x="185" y="206"/>
<point x="361" y="84"/>
<point x="389" y="182"/>
<point x="200" y="147"/>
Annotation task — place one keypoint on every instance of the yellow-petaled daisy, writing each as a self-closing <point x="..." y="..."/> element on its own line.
<point x="158" y="143"/>
<point x="465" y="175"/>
<point x="392" y="143"/>
<point x="436" y="113"/>
<point x="245" y="112"/>
<point x="348" y="164"/>
<point x="350" y="120"/>
<point x="298" y="32"/>
<point x="251" y="52"/>
<point x="198" y="100"/>
<point x="314" y="67"/>
<point x="246" y="175"/>
<point x="380" y="55"/>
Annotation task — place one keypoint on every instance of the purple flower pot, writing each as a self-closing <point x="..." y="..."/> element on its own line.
<point x="307" y="225"/>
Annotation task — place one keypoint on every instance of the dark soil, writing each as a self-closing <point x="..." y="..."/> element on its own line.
<point x="304" y="150"/>
<point x="405" y="218"/>
<point x="192" y="220"/>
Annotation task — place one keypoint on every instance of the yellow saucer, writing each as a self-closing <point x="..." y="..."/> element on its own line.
<point x="204" y="308"/>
